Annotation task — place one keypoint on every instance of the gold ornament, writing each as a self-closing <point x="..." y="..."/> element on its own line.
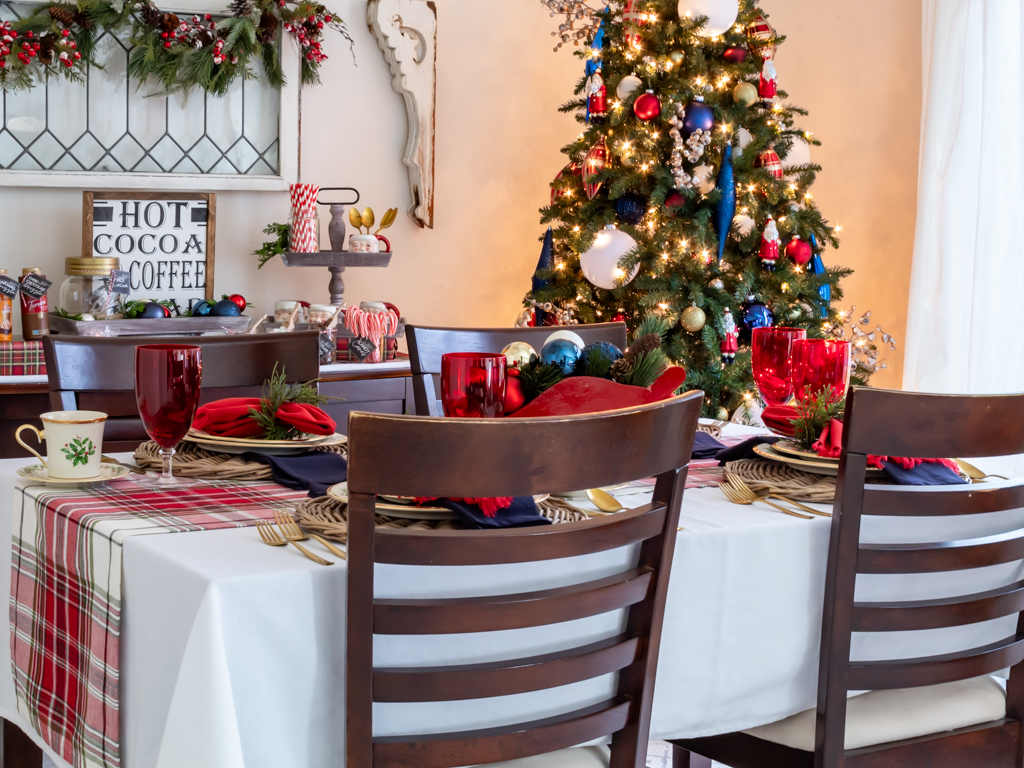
<point x="722" y="414"/>
<point x="519" y="354"/>
<point x="693" y="319"/>
<point x="677" y="57"/>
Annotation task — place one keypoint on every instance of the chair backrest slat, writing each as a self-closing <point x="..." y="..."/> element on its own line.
<point x="922" y="426"/>
<point x="436" y="457"/>
<point x="510" y="545"/>
<point x="427" y="345"/>
<point x="511" y="742"/>
<point x="470" y="681"/>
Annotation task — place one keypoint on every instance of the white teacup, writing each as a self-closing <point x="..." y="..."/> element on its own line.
<point x="74" y="443"/>
<point x="363" y="244"/>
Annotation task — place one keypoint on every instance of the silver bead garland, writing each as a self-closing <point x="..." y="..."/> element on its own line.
<point x="692" y="149"/>
<point x="575" y="12"/>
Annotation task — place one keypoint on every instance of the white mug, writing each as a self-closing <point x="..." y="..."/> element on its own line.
<point x="363" y="244"/>
<point x="74" y="443"/>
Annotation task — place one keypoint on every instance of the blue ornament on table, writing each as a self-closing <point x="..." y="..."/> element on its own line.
<point x="698" y="116"/>
<point x="817" y="267"/>
<point x="545" y="263"/>
<point x="201" y="308"/>
<point x="561" y="352"/>
<point x="725" y="212"/>
<point x="153" y="311"/>
<point x="631" y="208"/>
<point x="225" y="308"/>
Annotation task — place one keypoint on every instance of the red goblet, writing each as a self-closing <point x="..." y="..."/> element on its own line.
<point x="820" y="363"/>
<point x="167" y="380"/>
<point x="473" y="384"/>
<point x="772" y="350"/>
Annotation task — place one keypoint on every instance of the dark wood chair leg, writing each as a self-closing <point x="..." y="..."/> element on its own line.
<point x="19" y="750"/>
<point x="683" y="758"/>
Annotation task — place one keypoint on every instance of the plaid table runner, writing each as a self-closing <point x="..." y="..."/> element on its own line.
<point x="22" y="358"/>
<point x="66" y="595"/>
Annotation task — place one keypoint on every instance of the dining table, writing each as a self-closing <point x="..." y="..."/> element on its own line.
<point x="232" y="653"/>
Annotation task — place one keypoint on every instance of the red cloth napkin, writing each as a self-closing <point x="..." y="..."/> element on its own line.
<point x="830" y="444"/>
<point x="588" y="394"/>
<point x="490" y="506"/>
<point x="230" y="418"/>
<point x="778" y="419"/>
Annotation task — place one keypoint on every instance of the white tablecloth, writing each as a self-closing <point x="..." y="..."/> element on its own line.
<point x="233" y="652"/>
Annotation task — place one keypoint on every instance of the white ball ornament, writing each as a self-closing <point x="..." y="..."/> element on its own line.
<point x="575" y="338"/>
<point x="744" y="225"/>
<point x="627" y="86"/>
<point x="743" y="139"/>
<point x="799" y="154"/>
<point x="721" y="14"/>
<point x="704" y="179"/>
<point x="600" y="264"/>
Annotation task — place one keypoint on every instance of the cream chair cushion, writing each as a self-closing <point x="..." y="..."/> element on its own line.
<point x="906" y="713"/>
<point x="576" y="757"/>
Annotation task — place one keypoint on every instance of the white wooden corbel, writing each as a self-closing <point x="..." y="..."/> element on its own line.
<point x="406" y="30"/>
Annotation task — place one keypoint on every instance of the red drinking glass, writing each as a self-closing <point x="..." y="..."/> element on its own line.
<point x="167" y="391"/>
<point x="820" y="363"/>
<point x="772" y="349"/>
<point x="473" y="384"/>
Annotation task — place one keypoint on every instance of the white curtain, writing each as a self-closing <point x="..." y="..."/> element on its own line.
<point x="965" y="325"/>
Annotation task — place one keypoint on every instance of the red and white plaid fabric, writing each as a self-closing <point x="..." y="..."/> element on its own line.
<point x="66" y="595"/>
<point x="22" y="358"/>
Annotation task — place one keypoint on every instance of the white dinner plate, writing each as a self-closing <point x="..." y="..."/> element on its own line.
<point x="308" y="440"/>
<point x="263" y="447"/>
<point x="403" y="510"/>
<point x="820" y="467"/>
<point x="792" y="448"/>
<point x="38" y="473"/>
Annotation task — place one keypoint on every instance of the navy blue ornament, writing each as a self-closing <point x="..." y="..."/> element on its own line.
<point x="201" y="308"/>
<point x="151" y="310"/>
<point x="725" y="212"/>
<point x="605" y="348"/>
<point x="755" y="314"/>
<point x="698" y="116"/>
<point x="631" y="208"/>
<point x="225" y="308"/>
<point x="561" y="352"/>
<point x="817" y="267"/>
<point x="545" y="263"/>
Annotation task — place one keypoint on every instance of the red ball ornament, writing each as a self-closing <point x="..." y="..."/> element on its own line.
<point x="647" y="106"/>
<point x="735" y="54"/>
<point x="619" y="318"/>
<point x="514" y="397"/>
<point x="674" y="202"/>
<point x="799" y="250"/>
<point x="238" y="299"/>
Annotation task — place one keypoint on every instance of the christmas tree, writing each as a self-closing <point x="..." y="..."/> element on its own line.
<point x="687" y="197"/>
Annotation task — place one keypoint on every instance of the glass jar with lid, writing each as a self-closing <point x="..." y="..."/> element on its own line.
<point x="86" y="290"/>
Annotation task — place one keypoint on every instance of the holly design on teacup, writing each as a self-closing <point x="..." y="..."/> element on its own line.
<point x="79" y="450"/>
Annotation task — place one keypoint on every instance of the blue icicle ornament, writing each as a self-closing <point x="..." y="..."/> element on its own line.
<point x="817" y="267"/>
<point x="545" y="263"/>
<point x="726" y="210"/>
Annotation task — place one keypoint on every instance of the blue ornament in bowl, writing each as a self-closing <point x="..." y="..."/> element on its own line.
<point x="603" y="349"/>
<point x="152" y="311"/>
<point x="561" y="352"/>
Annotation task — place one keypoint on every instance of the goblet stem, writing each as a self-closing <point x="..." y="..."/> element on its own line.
<point x="166" y="455"/>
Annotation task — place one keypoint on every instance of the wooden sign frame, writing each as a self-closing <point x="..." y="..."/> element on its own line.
<point x="89" y="198"/>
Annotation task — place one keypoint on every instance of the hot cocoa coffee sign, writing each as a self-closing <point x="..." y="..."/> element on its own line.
<point x="165" y="241"/>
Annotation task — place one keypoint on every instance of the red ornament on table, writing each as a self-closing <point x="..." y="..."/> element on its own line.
<point x="735" y="54"/>
<point x="770" y="245"/>
<point x="594" y="163"/>
<point x="647" y="106"/>
<point x="730" y="337"/>
<point x="761" y="37"/>
<point x="768" y="85"/>
<point x="597" y="96"/>
<point x="769" y="160"/>
<point x="799" y="250"/>
<point x="633" y="18"/>
<point x="239" y="300"/>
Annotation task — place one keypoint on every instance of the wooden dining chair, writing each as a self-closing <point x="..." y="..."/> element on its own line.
<point x="426" y="345"/>
<point x="934" y="711"/>
<point x="98" y="374"/>
<point x="421" y="456"/>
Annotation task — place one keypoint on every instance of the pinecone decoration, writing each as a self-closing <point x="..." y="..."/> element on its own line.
<point x="82" y="20"/>
<point x="203" y="39"/>
<point x="268" y="28"/>
<point x="169" y="22"/>
<point x="47" y="45"/>
<point x="620" y="369"/>
<point x="64" y="15"/>
<point x="644" y="344"/>
<point x="150" y="15"/>
<point x="240" y="8"/>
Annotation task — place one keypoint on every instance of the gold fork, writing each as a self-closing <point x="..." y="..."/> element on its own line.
<point x="747" y="492"/>
<point x="271" y="537"/>
<point x="292" y="532"/>
<point x="733" y="495"/>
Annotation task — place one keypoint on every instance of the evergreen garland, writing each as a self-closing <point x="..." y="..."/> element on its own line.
<point x="677" y="246"/>
<point x="180" y="54"/>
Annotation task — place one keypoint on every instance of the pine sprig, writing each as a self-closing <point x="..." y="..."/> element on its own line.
<point x="815" y="412"/>
<point x="536" y="378"/>
<point x="275" y="247"/>
<point x="276" y="392"/>
<point x="646" y="369"/>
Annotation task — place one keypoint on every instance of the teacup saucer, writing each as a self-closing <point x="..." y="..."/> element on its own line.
<point x="108" y="472"/>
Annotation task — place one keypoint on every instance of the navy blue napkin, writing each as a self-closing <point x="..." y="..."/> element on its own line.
<point x="745" y="450"/>
<point x="314" y="472"/>
<point x="705" y="446"/>
<point x="522" y="513"/>
<point x="928" y="473"/>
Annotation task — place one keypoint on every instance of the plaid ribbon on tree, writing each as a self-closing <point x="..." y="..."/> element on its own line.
<point x="22" y="358"/>
<point x="66" y="595"/>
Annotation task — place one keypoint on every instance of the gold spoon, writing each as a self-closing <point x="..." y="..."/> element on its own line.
<point x="604" y="500"/>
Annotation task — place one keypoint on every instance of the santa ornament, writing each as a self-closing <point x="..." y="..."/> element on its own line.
<point x="597" y="97"/>
<point x="768" y="86"/>
<point x="770" y="245"/>
<point x="730" y="337"/>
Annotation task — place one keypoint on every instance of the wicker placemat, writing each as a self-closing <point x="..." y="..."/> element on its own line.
<point x="329" y="517"/>
<point x="711" y="429"/>
<point x="192" y="461"/>
<point x="775" y="477"/>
